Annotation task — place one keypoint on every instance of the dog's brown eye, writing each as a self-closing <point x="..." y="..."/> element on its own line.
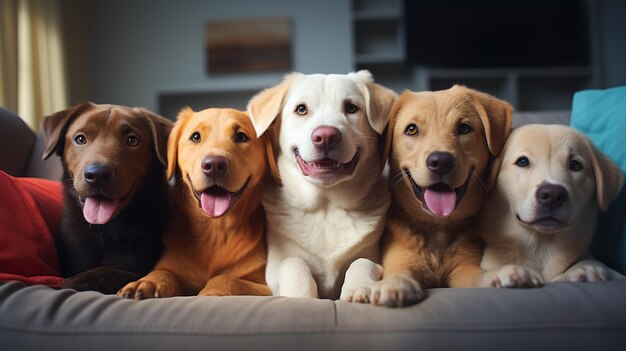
<point x="463" y="128"/>
<point x="301" y="109"/>
<point x="522" y="162"/>
<point x="575" y="166"/>
<point x="411" y="130"/>
<point x="241" y="137"/>
<point x="351" y="108"/>
<point x="132" y="140"/>
<point x="80" y="139"/>
<point x="195" y="137"/>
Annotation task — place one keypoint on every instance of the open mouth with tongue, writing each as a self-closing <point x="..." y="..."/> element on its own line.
<point x="326" y="166"/>
<point x="216" y="201"/>
<point x="440" y="198"/>
<point x="99" y="210"/>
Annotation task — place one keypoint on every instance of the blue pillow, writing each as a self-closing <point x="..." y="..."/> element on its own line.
<point x="601" y="115"/>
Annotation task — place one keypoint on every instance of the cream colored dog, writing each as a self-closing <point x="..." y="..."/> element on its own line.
<point x="539" y="220"/>
<point x="329" y="213"/>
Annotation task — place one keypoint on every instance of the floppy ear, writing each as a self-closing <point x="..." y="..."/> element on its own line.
<point x="160" y="127"/>
<point x="496" y="117"/>
<point x="493" y="171"/>
<point x="609" y="177"/>
<point x="378" y="101"/>
<point x="270" y="150"/>
<point x="393" y="116"/>
<point x="55" y="126"/>
<point x="265" y="106"/>
<point x="172" y="142"/>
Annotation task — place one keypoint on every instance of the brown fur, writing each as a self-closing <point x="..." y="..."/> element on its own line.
<point x="132" y="143"/>
<point x="213" y="256"/>
<point x="421" y="250"/>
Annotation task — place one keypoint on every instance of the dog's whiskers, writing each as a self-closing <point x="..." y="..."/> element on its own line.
<point x="475" y="178"/>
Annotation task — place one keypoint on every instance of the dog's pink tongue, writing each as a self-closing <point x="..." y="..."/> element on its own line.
<point x="99" y="210"/>
<point x="441" y="202"/>
<point x="215" y="204"/>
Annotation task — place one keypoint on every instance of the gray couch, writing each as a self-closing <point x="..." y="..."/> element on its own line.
<point x="558" y="316"/>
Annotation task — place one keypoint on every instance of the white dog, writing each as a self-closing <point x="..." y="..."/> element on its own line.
<point x="329" y="213"/>
<point x="539" y="219"/>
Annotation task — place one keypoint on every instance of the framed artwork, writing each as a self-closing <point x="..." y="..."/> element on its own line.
<point x="250" y="45"/>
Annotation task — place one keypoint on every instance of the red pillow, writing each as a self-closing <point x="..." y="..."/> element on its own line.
<point x="30" y="214"/>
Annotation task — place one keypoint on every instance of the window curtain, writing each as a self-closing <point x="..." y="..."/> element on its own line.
<point x="32" y="63"/>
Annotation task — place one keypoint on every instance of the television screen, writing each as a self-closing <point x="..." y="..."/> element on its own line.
<point x="491" y="33"/>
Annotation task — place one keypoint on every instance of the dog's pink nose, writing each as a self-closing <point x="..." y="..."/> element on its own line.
<point x="325" y="138"/>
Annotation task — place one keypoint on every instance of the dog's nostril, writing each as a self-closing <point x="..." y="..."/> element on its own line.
<point x="440" y="162"/>
<point x="99" y="174"/>
<point x="325" y="137"/>
<point x="551" y="195"/>
<point x="214" y="166"/>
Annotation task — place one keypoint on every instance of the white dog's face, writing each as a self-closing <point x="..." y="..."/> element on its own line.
<point x="324" y="128"/>
<point x="549" y="175"/>
<point x="330" y="123"/>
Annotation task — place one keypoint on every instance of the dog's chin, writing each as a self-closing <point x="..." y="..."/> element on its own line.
<point x="439" y="199"/>
<point x="327" y="172"/>
<point x="545" y="225"/>
<point x="100" y="208"/>
<point x="217" y="201"/>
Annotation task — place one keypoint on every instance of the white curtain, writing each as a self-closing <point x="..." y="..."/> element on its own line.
<point x="32" y="71"/>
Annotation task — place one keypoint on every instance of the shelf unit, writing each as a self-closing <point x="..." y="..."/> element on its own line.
<point x="379" y="36"/>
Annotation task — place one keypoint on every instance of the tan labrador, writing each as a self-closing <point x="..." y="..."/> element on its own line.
<point x="539" y="220"/>
<point x="441" y="145"/>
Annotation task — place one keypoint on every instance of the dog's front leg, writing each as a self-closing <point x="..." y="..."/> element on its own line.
<point x="295" y="279"/>
<point x="224" y="285"/>
<point x="589" y="270"/>
<point x="158" y="283"/>
<point x="360" y="279"/>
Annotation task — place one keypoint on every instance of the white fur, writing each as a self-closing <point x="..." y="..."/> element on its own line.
<point x="317" y="229"/>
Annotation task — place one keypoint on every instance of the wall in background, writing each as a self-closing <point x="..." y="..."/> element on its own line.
<point x="142" y="47"/>
<point x="612" y="42"/>
<point x="139" y="49"/>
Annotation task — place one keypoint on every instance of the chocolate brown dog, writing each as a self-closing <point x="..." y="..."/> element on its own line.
<point x="115" y="192"/>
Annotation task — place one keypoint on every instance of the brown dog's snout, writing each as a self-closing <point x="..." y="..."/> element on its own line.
<point x="440" y="163"/>
<point x="325" y="138"/>
<point x="551" y="195"/>
<point x="98" y="174"/>
<point x="214" y="166"/>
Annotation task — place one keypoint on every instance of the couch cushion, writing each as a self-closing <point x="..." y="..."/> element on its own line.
<point x="601" y="115"/>
<point x="16" y="143"/>
<point x="30" y="214"/>
<point x="558" y="316"/>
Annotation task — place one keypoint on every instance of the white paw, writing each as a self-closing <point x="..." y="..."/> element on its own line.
<point x="397" y="291"/>
<point x="512" y="276"/>
<point x="587" y="273"/>
<point x="360" y="278"/>
<point x="358" y="295"/>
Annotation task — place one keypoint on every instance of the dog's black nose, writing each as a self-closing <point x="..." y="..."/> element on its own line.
<point x="440" y="162"/>
<point x="99" y="174"/>
<point x="325" y="138"/>
<point x="551" y="195"/>
<point x="214" y="166"/>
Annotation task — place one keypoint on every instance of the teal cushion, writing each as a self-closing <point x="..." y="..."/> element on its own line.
<point x="601" y="115"/>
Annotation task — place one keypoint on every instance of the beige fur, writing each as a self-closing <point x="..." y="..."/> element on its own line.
<point x="528" y="244"/>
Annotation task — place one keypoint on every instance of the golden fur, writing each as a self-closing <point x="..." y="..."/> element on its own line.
<point x="204" y="255"/>
<point x="422" y="250"/>
<point x="528" y="243"/>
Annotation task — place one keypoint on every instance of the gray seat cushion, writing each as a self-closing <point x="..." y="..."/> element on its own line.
<point x="558" y="316"/>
